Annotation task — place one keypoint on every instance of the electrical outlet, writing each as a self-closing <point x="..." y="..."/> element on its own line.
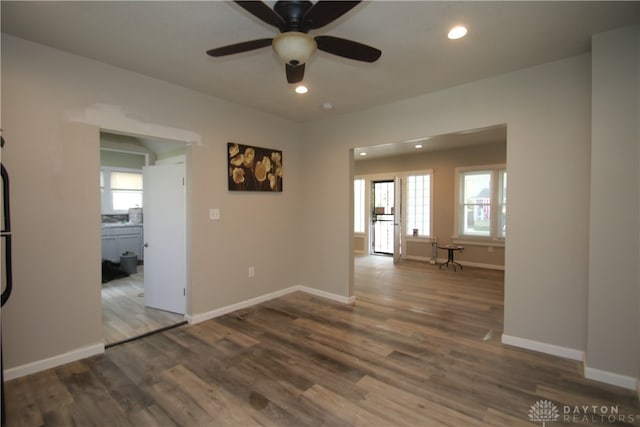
<point x="214" y="214"/>
<point x="252" y="271"/>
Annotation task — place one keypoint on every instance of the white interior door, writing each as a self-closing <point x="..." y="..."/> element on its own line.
<point x="397" y="219"/>
<point x="165" y="237"/>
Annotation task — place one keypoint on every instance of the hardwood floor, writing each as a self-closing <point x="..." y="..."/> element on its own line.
<point x="124" y="315"/>
<point x="420" y="347"/>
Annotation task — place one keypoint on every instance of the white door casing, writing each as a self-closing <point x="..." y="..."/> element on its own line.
<point x="397" y="219"/>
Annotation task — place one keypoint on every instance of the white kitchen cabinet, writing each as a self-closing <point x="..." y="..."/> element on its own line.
<point x="110" y="248"/>
<point x="117" y="240"/>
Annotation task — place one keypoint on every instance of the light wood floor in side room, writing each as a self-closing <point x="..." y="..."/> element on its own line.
<point x="123" y="312"/>
<point x="420" y="347"/>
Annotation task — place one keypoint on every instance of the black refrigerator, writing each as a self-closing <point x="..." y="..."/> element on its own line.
<point x="7" y="279"/>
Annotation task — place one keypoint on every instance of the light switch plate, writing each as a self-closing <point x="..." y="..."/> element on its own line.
<point x="214" y="214"/>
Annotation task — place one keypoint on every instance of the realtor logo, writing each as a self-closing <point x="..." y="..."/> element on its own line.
<point x="543" y="411"/>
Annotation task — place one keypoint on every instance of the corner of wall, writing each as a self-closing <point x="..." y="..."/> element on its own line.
<point x="614" y="282"/>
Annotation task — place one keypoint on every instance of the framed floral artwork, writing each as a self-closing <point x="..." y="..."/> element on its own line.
<point x="254" y="168"/>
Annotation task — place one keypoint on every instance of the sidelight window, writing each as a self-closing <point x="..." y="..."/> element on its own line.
<point x="418" y="205"/>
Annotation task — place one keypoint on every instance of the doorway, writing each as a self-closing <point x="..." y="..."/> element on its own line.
<point x="428" y="174"/>
<point x="383" y="217"/>
<point x="129" y="269"/>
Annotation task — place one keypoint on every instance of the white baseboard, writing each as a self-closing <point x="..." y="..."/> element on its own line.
<point x="606" y="377"/>
<point x="52" y="362"/>
<point x="417" y="258"/>
<point x="463" y="263"/>
<point x="201" y="317"/>
<point x="481" y="265"/>
<point x="327" y="295"/>
<point x="611" y="378"/>
<point x="555" y="350"/>
<point x="476" y="264"/>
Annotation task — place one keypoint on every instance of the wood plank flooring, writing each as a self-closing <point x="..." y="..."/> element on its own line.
<point x="123" y="312"/>
<point x="420" y="347"/>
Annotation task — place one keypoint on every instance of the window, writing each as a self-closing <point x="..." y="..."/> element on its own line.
<point x="358" y="205"/>
<point x="502" y="203"/>
<point x="418" y="205"/>
<point x="482" y="202"/>
<point x="126" y="190"/>
<point x="121" y="190"/>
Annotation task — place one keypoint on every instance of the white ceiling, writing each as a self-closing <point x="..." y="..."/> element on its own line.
<point x="168" y="40"/>
<point x="467" y="138"/>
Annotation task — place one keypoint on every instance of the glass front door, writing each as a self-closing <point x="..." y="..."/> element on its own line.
<point x="383" y="217"/>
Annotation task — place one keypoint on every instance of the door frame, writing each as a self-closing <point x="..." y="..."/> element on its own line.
<point x="372" y="224"/>
<point x="160" y="132"/>
<point x="368" y="211"/>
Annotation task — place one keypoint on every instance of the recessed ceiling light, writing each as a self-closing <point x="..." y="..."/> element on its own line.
<point x="302" y="89"/>
<point x="457" y="32"/>
<point x="417" y="146"/>
<point x="363" y="154"/>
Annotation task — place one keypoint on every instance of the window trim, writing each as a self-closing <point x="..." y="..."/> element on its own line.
<point x="494" y="238"/>
<point x="105" y="190"/>
<point x="363" y="210"/>
<point x="409" y="236"/>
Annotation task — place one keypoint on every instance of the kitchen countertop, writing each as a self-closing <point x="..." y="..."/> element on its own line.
<point x="120" y="224"/>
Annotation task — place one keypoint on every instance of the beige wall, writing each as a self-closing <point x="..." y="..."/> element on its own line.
<point x="613" y="343"/>
<point x="55" y="307"/>
<point x="546" y="109"/>
<point x="443" y="164"/>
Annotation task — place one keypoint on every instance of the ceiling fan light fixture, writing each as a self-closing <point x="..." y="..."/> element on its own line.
<point x="457" y="32"/>
<point x="293" y="47"/>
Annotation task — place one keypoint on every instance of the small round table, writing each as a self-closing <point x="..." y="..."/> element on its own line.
<point x="450" y="250"/>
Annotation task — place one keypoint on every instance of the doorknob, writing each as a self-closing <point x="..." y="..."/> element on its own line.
<point x="146" y="245"/>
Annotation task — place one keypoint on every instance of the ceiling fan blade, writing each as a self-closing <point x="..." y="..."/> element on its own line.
<point x="263" y="12"/>
<point x="239" y="47"/>
<point x="295" y="74"/>
<point x="348" y="49"/>
<point x="325" y="12"/>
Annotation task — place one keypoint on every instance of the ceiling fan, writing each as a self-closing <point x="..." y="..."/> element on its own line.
<point x="294" y="19"/>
